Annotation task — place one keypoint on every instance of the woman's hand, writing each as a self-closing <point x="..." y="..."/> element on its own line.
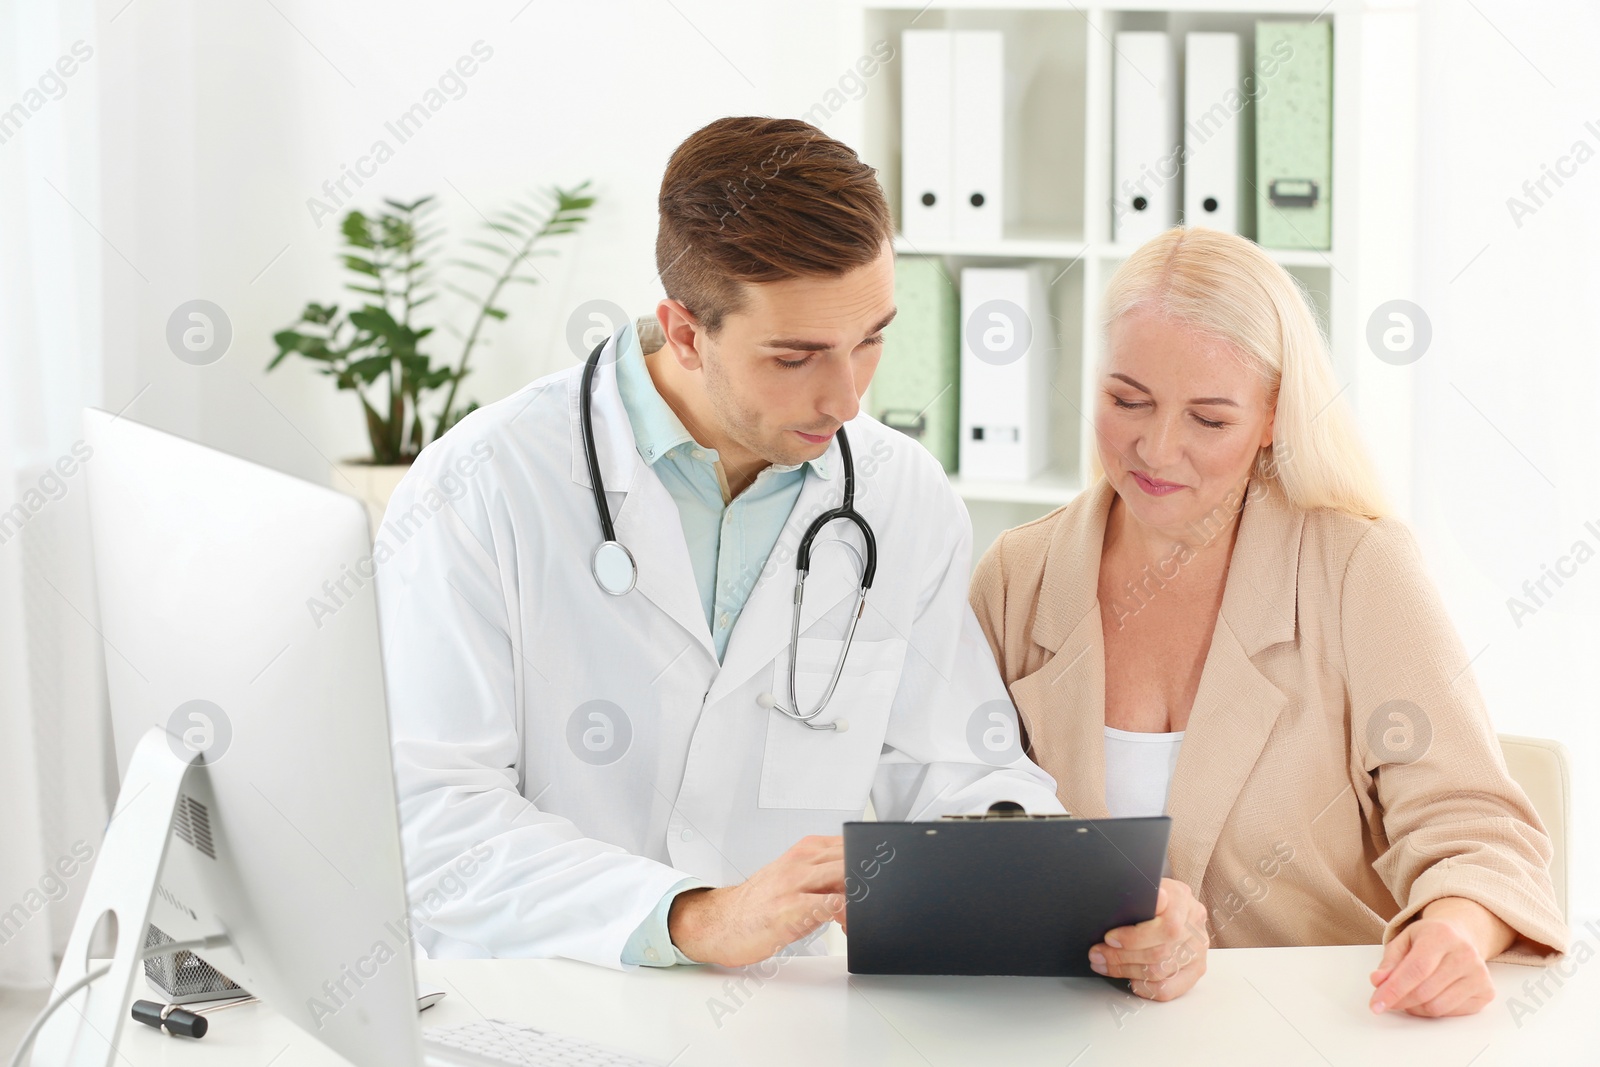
<point x="1164" y="956"/>
<point x="1435" y="966"/>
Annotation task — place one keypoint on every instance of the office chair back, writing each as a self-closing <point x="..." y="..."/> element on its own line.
<point x="1541" y="767"/>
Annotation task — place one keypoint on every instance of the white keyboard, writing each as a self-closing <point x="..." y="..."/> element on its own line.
<point x="491" y="1041"/>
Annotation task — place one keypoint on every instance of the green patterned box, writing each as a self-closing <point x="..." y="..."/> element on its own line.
<point x="1294" y="134"/>
<point x="917" y="386"/>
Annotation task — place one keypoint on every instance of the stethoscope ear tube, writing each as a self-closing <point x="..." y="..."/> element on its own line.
<point x="846" y="511"/>
<point x="611" y="564"/>
<point x="589" y="454"/>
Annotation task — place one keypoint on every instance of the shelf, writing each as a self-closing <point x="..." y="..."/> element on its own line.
<point x="1052" y="487"/>
<point x="1303" y="257"/>
<point x="1312" y="8"/>
<point x="1067" y="248"/>
<point x="1025" y="246"/>
<point x="1288" y="257"/>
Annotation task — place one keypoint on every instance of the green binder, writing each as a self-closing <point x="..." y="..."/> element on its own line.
<point x="916" y="389"/>
<point x="1294" y="134"/>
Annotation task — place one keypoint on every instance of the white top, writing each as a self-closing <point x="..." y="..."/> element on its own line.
<point x="1138" y="771"/>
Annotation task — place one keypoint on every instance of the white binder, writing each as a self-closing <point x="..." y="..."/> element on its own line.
<point x="927" y="134"/>
<point x="1007" y="351"/>
<point x="955" y="133"/>
<point x="1213" y="133"/>
<point x="1146" y="150"/>
<point x="979" y="157"/>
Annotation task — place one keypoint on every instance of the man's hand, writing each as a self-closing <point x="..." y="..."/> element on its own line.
<point x="1435" y="966"/>
<point x="782" y="902"/>
<point x="1164" y="956"/>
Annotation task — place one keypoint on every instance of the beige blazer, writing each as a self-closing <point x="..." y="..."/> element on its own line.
<point x="1338" y="771"/>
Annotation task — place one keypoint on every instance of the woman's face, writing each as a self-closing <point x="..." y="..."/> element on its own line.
<point x="1179" y="420"/>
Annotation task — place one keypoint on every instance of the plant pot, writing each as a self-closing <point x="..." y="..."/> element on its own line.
<point x="371" y="483"/>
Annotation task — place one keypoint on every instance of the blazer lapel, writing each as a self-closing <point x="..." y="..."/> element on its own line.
<point x="1236" y="706"/>
<point x="1067" y="716"/>
<point x="1233" y="714"/>
<point x="1064" y="699"/>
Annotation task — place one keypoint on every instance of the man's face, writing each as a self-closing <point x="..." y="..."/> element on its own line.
<point x="789" y="368"/>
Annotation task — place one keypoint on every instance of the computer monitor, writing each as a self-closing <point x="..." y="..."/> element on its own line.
<point x="247" y="696"/>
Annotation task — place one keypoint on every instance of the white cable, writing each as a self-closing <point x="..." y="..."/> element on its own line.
<point x="25" y="1050"/>
<point x="20" y="1057"/>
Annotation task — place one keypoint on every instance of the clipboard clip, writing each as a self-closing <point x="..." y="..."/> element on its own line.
<point x="1005" y="809"/>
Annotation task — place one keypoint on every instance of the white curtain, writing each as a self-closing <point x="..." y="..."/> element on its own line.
<point x="56" y="767"/>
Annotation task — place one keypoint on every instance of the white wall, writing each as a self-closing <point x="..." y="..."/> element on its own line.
<point x="1508" y="421"/>
<point x="571" y="91"/>
<point x="227" y="118"/>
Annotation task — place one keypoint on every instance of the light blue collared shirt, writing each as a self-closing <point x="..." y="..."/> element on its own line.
<point x="729" y="541"/>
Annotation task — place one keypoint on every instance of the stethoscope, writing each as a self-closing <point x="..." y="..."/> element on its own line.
<point x="616" y="572"/>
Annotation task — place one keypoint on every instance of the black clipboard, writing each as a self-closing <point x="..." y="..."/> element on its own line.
<point x="997" y="894"/>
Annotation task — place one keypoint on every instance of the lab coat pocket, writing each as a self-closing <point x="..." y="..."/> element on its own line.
<point x="830" y="769"/>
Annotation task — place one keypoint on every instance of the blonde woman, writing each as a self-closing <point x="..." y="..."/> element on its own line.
<point x="1226" y="628"/>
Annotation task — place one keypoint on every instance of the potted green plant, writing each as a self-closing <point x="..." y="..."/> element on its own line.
<point x="379" y="348"/>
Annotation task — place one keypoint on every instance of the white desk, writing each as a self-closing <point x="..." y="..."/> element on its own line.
<point x="1254" y="1006"/>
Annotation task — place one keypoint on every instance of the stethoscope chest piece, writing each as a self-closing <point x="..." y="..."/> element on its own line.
<point x="614" y="568"/>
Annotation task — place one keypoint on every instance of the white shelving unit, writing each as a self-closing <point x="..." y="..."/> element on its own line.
<point x="1065" y="194"/>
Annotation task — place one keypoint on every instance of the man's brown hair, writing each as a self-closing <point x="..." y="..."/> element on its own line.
<point x="755" y="199"/>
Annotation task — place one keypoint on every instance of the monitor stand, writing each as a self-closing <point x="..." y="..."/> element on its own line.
<point x="83" y="1032"/>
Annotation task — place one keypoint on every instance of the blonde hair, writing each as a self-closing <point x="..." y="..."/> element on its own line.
<point x="1226" y="287"/>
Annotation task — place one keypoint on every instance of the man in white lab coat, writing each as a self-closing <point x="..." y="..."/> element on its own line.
<point x="605" y="777"/>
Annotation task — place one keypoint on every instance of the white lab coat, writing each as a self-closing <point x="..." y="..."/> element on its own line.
<point x="532" y="827"/>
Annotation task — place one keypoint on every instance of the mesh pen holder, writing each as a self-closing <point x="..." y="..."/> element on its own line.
<point x="182" y="977"/>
